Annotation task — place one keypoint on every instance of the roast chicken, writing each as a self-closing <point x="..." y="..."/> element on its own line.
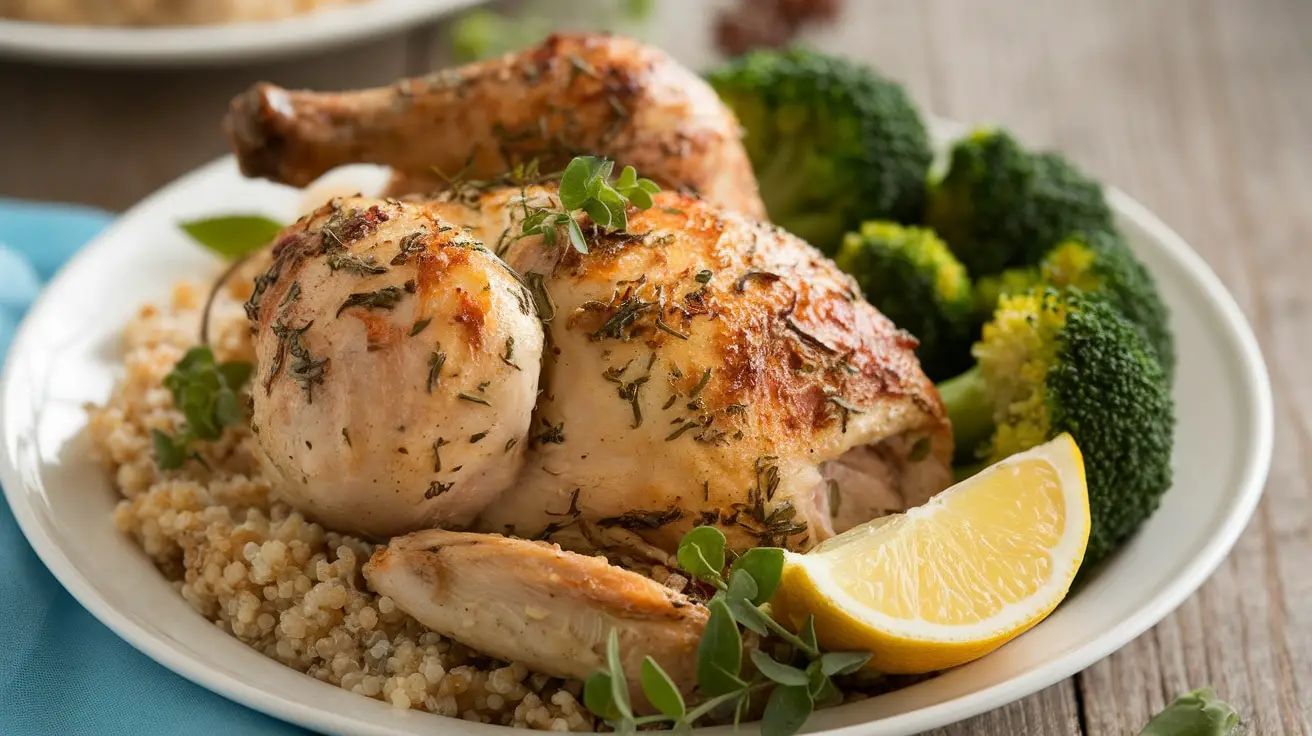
<point x="575" y="93"/>
<point x="496" y="402"/>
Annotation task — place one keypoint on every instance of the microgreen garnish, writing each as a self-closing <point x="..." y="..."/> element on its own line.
<point x="205" y="391"/>
<point x="234" y="236"/>
<point x="798" y="683"/>
<point x="585" y="187"/>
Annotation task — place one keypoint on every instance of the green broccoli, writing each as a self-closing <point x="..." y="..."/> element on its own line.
<point x="912" y="277"/>
<point x="1053" y="362"/>
<point x="833" y="143"/>
<point x="1100" y="264"/>
<point x="1000" y="206"/>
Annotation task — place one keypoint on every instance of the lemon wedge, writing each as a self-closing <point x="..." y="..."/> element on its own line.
<point x="954" y="579"/>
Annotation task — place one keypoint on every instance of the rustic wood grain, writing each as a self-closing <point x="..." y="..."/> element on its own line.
<point x="1201" y="109"/>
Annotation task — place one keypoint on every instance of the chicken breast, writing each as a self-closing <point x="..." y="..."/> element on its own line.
<point x="574" y="93"/>
<point x="531" y="602"/>
<point x="397" y="368"/>
<point x="705" y="368"/>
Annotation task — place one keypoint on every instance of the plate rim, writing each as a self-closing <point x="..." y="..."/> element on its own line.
<point x="1247" y="492"/>
<point x="116" y="46"/>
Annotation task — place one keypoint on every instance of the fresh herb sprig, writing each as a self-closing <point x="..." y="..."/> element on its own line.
<point x="205" y="391"/>
<point x="796" y="686"/>
<point x="585" y="187"/>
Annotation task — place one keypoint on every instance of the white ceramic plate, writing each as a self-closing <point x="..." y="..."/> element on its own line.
<point x="65" y="355"/>
<point x="233" y="42"/>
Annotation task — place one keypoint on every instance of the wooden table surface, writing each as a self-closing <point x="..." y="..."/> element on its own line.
<point x="1201" y="109"/>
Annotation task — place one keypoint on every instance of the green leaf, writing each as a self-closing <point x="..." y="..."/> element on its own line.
<point x="597" y="696"/>
<point x="233" y="236"/>
<point x="807" y="634"/>
<point x="170" y="451"/>
<point x="619" y="686"/>
<point x="580" y="180"/>
<point x="1199" y="713"/>
<point x="226" y="412"/>
<point x="825" y="694"/>
<point x="649" y="186"/>
<point x="766" y="566"/>
<point x="599" y="213"/>
<point x="236" y="373"/>
<point x="720" y="653"/>
<point x="741" y="585"/>
<point x="576" y="236"/>
<point x="701" y="553"/>
<point x="660" y="690"/>
<point x="777" y="671"/>
<point x="749" y="615"/>
<point x="786" y="711"/>
<point x="618" y="208"/>
<point x="628" y="179"/>
<point x="843" y="663"/>
<point x="640" y="199"/>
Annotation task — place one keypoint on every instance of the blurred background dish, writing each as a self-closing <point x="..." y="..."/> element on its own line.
<point x="154" y="32"/>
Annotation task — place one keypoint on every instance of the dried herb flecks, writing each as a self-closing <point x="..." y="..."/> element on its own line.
<point x="415" y="242"/>
<point x="807" y="337"/>
<point x="552" y="434"/>
<point x="740" y="285"/>
<point x="437" y="488"/>
<point x="435" y="363"/>
<point x="355" y="264"/>
<point x="508" y="356"/>
<point x="305" y="369"/>
<point x="643" y="520"/>
<point x="420" y="325"/>
<point x="701" y="384"/>
<point x="384" y="298"/>
<point x="541" y="297"/>
<point x="437" y="454"/>
<point x="617" y="326"/>
<point x="845" y="408"/>
<point x="472" y="398"/>
<point x="704" y="276"/>
<point x="477" y="437"/>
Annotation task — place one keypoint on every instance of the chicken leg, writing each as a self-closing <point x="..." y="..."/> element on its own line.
<point x="574" y="93"/>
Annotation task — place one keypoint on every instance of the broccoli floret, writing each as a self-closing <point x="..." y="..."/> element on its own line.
<point x="1000" y="206"/>
<point x="912" y="277"/>
<point x="832" y="142"/>
<point x="1053" y="362"/>
<point x="1101" y="265"/>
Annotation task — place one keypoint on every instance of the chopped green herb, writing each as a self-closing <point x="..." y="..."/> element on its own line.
<point x="475" y="438"/>
<point x="205" y="391"/>
<point x="473" y="398"/>
<point x="355" y="264"/>
<point x="704" y="276"/>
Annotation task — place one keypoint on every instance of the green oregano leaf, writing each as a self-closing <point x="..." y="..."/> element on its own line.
<point x="1199" y="713"/>
<point x="766" y="566"/>
<point x="720" y="653"/>
<point x="619" y="686"/>
<point x="170" y="451"/>
<point x="233" y="236"/>
<point x="660" y="689"/>
<point x="843" y="663"/>
<point x="777" y="671"/>
<point x="786" y="710"/>
<point x="701" y="553"/>
<point x="597" y="696"/>
<point x="576" y="236"/>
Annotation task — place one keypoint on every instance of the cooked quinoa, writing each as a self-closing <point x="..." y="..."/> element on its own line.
<point x="262" y="572"/>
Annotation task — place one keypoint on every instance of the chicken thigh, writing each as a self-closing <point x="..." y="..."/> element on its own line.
<point x="531" y="602"/>
<point x="398" y="368"/>
<point x="705" y="368"/>
<point x="574" y="93"/>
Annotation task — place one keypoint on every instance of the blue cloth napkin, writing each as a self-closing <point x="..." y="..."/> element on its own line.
<point x="62" y="673"/>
